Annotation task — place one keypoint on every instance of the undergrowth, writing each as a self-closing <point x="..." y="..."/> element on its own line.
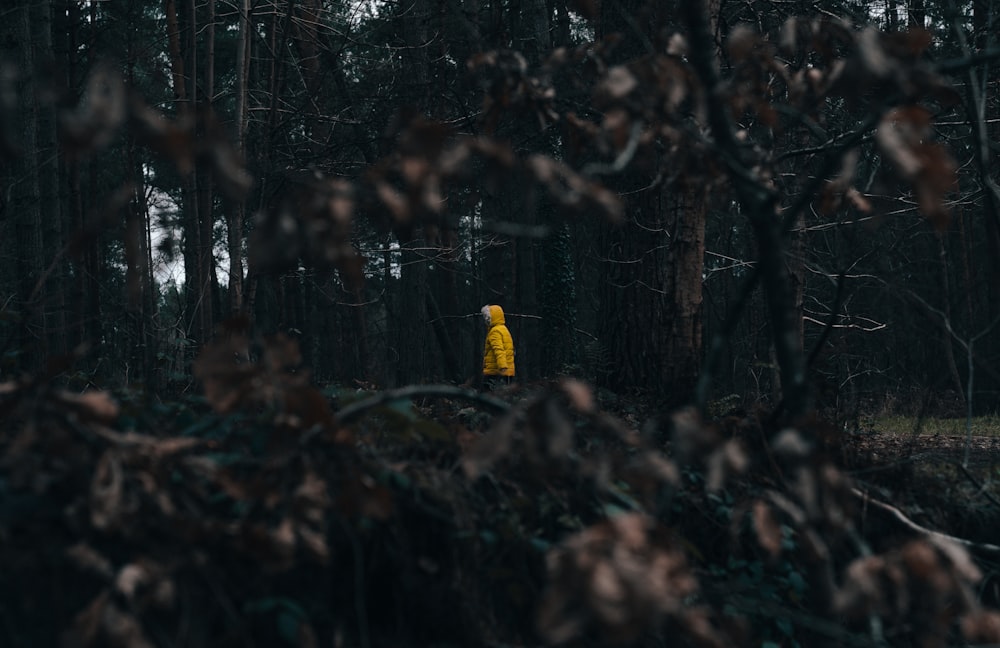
<point x="903" y="425"/>
<point x="270" y="513"/>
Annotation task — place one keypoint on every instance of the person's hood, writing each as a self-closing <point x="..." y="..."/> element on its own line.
<point x="496" y="315"/>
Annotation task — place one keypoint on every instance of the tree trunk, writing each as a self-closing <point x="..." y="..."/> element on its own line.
<point x="236" y="212"/>
<point x="139" y="287"/>
<point x="652" y="264"/>
<point x="892" y="15"/>
<point x="305" y="31"/>
<point x="559" y="347"/>
<point x="652" y="293"/>
<point x="916" y="11"/>
<point x="140" y="365"/>
<point x="946" y="324"/>
<point x="50" y="209"/>
<point x="194" y="300"/>
<point x="523" y="329"/>
<point x="208" y="293"/>
<point x="414" y="337"/>
<point x="21" y="185"/>
<point x="278" y="30"/>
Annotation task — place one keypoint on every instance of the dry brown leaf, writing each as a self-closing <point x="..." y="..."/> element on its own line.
<point x="93" y="124"/>
<point x="581" y="397"/>
<point x="312" y="498"/>
<point x="959" y="558"/>
<point x="86" y="557"/>
<point x="862" y="590"/>
<point x="552" y="438"/>
<point x="606" y="594"/>
<point x="872" y="56"/>
<point x="656" y="466"/>
<point x="894" y="142"/>
<point x="858" y="200"/>
<point x="741" y="43"/>
<point x="130" y="578"/>
<point x="283" y="537"/>
<point x="107" y="491"/>
<point x="488" y="449"/>
<point x="314" y="542"/>
<point x="767" y="528"/>
<point x="174" y="140"/>
<point x="617" y="577"/>
<point x="791" y="445"/>
<point x="618" y="83"/>
<point x="393" y="201"/>
<point x="981" y="626"/>
<point x="92" y="405"/>
<point x="788" y="39"/>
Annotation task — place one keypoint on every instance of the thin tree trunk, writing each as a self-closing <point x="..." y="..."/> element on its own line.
<point x="189" y="204"/>
<point x="135" y="270"/>
<point x="50" y="210"/>
<point x="199" y="212"/>
<point x="206" y="201"/>
<point x="22" y="195"/>
<point x="278" y="39"/>
<point x="687" y="261"/>
<point x="916" y="11"/>
<point x="892" y="15"/>
<point x="413" y="336"/>
<point x="947" y="346"/>
<point x="236" y="213"/>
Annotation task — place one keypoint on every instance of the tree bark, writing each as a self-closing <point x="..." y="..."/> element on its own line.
<point x="916" y="11"/>
<point x="236" y="212"/>
<point x="50" y="208"/>
<point x="651" y="292"/>
<point x="204" y="105"/>
<point x="21" y="197"/>
<point x="184" y="69"/>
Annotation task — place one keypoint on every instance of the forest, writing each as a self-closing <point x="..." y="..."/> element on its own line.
<point x="244" y="245"/>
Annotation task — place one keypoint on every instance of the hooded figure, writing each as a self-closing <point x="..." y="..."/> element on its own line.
<point x="498" y="352"/>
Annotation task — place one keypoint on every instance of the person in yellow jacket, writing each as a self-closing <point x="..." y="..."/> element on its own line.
<point x="498" y="351"/>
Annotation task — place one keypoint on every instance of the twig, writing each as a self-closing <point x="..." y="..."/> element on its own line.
<point x="975" y="482"/>
<point x="834" y="312"/>
<point x="981" y="547"/>
<point x="506" y="314"/>
<point x="516" y="230"/>
<point x="444" y="317"/>
<point x="356" y="410"/>
<point x="620" y="162"/>
<point x="954" y="66"/>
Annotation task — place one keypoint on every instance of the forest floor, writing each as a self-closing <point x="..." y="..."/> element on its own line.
<point x="926" y="476"/>
<point x="475" y="528"/>
<point x="881" y="448"/>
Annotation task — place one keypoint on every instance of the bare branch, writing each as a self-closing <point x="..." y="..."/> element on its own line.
<point x="979" y="547"/>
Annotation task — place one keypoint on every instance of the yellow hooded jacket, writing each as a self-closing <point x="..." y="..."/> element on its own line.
<point x="498" y="352"/>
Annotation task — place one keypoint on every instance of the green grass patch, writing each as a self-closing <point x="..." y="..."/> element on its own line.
<point x="904" y="425"/>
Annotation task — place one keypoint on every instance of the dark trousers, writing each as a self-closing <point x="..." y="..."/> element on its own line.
<point x="493" y="383"/>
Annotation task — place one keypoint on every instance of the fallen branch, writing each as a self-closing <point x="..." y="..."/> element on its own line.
<point x="980" y="547"/>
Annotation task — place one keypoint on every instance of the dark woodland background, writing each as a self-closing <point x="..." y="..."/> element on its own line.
<point x="244" y="246"/>
<point x="364" y="177"/>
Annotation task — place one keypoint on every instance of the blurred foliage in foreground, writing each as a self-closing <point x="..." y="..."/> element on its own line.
<point x="258" y="517"/>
